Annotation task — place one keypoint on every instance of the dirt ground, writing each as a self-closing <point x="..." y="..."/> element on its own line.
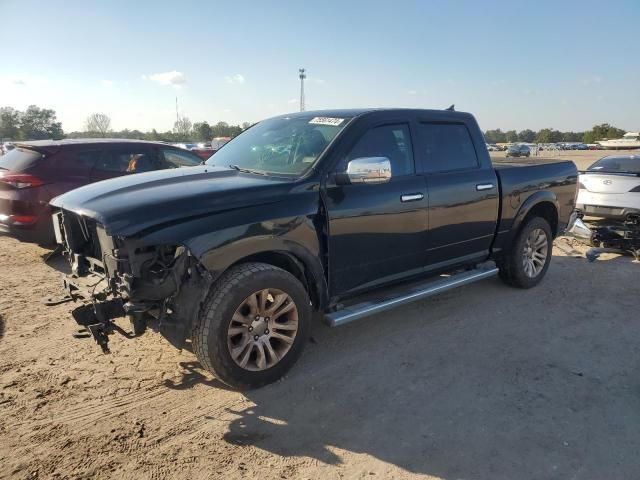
<point x="485" y="382"/>
<point x="582" y="158"/>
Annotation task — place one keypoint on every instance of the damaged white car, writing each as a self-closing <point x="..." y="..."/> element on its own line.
<point x="610" y="188"/>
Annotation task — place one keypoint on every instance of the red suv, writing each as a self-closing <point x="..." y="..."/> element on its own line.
<point x="34" y="172"/>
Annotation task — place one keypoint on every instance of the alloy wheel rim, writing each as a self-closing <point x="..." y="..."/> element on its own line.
<point x="262" y="329"/>
<point x="536" y="250"/>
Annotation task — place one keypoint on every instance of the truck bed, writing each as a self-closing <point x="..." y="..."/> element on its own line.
<point x="522" y="179"/>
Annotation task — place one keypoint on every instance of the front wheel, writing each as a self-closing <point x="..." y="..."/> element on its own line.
<point x="526" y="261"/>
<point x="253" y="326"/>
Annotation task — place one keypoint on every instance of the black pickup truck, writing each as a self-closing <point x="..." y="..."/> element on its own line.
<point x="343" y="212"/>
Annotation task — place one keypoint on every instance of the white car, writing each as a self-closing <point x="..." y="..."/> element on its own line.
<point x="610" y="188"/>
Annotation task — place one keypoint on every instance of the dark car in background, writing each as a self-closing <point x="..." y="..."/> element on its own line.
<point x="518" y="151"/>
<point x="35" y="172"/>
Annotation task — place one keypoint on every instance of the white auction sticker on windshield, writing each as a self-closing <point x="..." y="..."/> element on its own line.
<point x="326" y="121"/>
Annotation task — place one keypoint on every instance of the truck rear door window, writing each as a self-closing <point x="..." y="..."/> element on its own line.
<point x="446" y="147"/>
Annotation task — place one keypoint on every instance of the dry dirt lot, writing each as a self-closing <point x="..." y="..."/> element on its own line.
<point x="486" y="382"/>
<point x="582" y="158"/>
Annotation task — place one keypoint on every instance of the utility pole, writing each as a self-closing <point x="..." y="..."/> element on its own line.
<point x="303" y="75"/>
<point x="177" y="116"/>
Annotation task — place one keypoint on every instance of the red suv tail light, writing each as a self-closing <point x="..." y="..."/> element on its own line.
<point x="18" y="219"/>
<point x="18" y="180"/>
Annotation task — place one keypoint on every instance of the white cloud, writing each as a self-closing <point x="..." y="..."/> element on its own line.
<point x="412" y="92"/>
<point x="319" y="81"/>
<point x="13" y="81"/>
<point x="292" y="100"/>
<point x="234" y="79"/>
<point x="107" y="83"/>
<point x="173" y="78"/>
<point x="593" y="80"/>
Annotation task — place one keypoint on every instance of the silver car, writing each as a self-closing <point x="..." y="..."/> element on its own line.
<point x="610" y="188"/>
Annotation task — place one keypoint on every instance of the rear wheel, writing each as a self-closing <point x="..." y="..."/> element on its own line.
<point x="526" y="262"/>
<point x="253" y="326"/>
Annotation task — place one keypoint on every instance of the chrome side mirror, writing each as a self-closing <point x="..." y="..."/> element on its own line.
<point x="368" y="170"/>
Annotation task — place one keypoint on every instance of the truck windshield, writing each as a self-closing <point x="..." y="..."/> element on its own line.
<point x="284" y="146"/>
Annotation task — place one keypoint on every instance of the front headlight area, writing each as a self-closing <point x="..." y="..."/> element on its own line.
<point x="146" y="275"/>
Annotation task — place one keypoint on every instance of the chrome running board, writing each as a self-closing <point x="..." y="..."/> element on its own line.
<point x="424" y="290"/>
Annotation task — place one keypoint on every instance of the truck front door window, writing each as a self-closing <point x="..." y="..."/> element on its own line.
<point x="390" y="141"/>
<point x="378" y="230"/>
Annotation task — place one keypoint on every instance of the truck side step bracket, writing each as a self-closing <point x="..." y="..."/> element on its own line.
<point x="417" y="292"/>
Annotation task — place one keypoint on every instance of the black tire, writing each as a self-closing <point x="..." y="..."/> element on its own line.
<point x="210" y="332"/>
<point x="511" y="265"/>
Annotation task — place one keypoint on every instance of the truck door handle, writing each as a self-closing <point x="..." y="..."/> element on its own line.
<point x="484" y="186"/>
<point x="411" y="197"/>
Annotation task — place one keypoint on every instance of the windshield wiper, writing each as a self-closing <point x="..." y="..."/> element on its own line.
<point x="248" y="170"/>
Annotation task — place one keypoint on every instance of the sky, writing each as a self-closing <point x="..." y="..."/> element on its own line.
<point x="513" y="64"/>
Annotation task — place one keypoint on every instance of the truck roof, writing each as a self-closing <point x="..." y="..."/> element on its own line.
<point x="355" y="112"/>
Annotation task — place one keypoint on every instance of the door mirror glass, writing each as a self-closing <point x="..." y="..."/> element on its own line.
<point x="368" y="170"/>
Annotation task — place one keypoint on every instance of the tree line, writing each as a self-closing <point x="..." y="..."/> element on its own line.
<point x="99" y="125"/>
<point x="34" y="123"/>
<point x="37" y="123"/>
<point x="551" y="135"/>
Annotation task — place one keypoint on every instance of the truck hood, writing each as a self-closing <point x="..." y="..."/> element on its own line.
<point x="131" y="204"/>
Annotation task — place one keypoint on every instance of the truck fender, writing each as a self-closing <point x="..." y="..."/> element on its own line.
<point x="235" y="247"/>
<point x="534" y="199"/>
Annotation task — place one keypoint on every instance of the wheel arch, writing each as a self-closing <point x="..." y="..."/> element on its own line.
<point x="280" y="252"/>
<point x="542" y="204"/>
<point x="316" y="287"/>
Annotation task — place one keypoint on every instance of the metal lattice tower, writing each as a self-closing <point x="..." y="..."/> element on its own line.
<point x="303" y="75"/>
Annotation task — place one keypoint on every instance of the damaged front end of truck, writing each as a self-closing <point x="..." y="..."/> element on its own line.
<point x="113" y="276"/>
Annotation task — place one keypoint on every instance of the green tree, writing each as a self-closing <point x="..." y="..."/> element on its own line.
<point x="511" y="136"/>
<point x="495" y="136"/>
<point x="182" y="128"/>
<point x="221" y="129"/>
<point x="572" y="136"/>
<point x="527" y="136"/>
<point x="153" y="135"/>
<point x="548" y="135"/>
<point x="602" y="132"/>
<point x="202" y="131"/>
<point x="40" y="123"/>
<point x="9" y="123"/>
